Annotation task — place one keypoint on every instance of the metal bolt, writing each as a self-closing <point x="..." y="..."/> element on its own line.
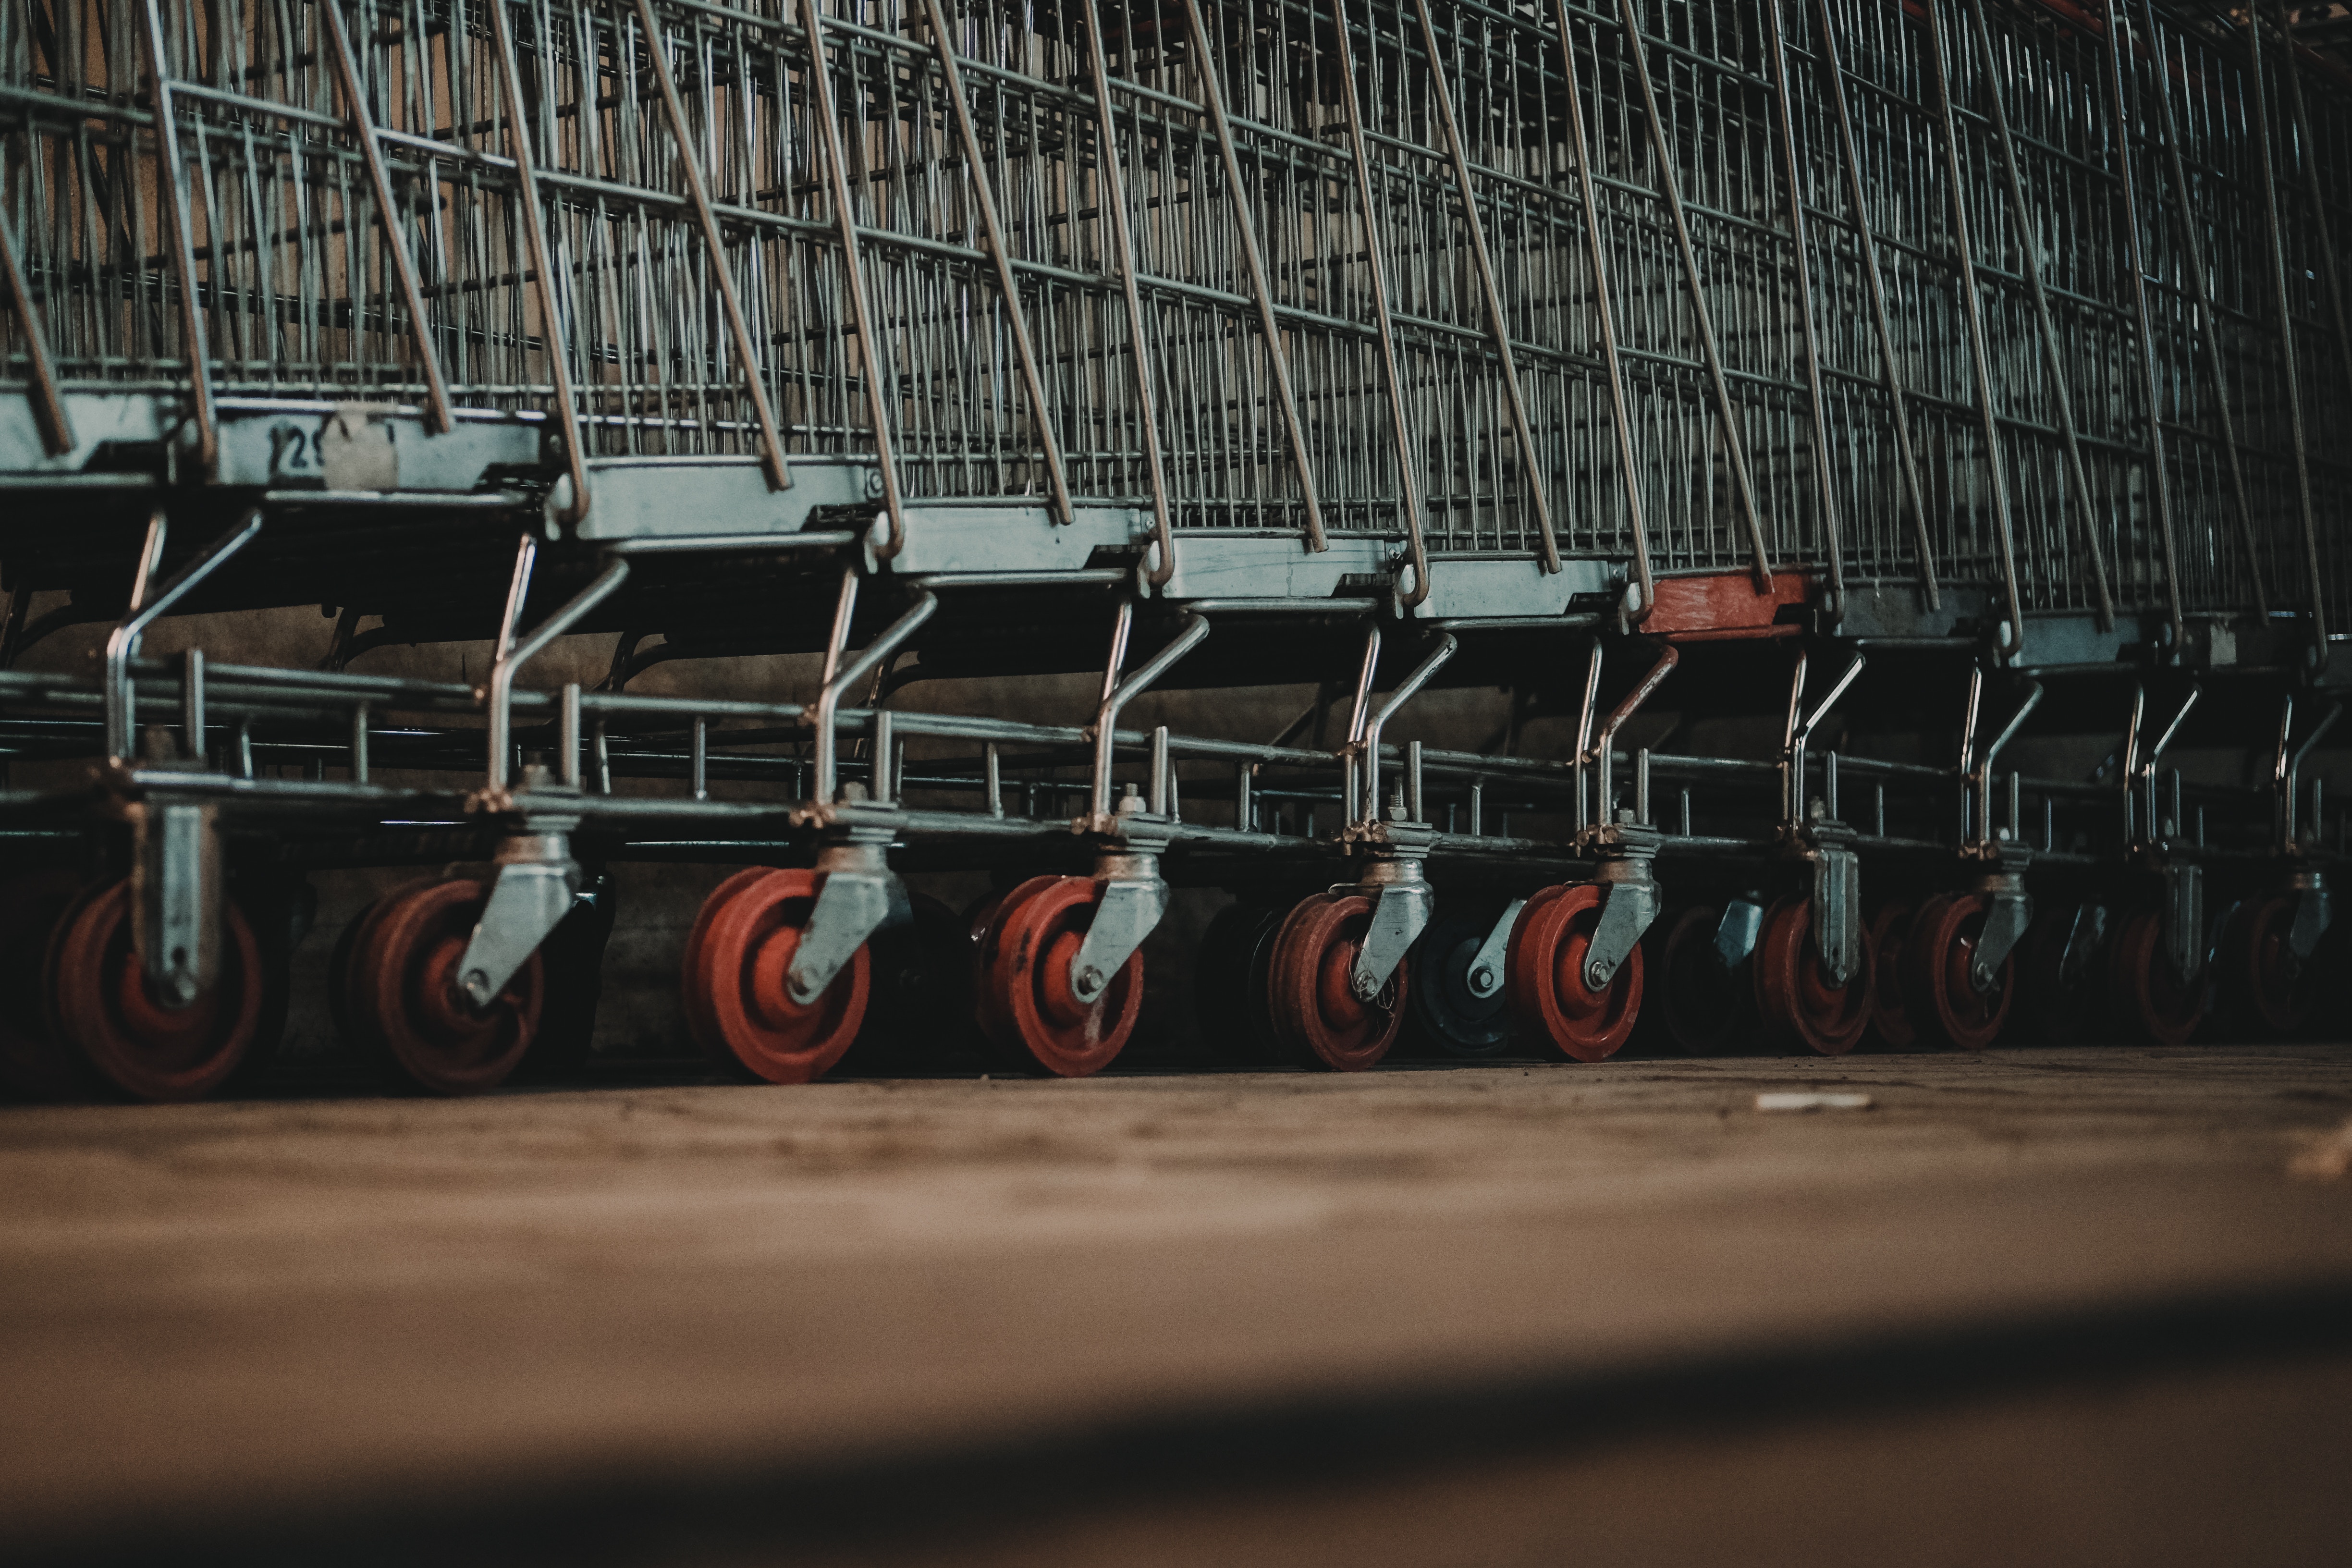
<point x="1482" y="980"/>
<point x="1363" y="985"/>
<point x="1596" y="974"/>
<point x="1089" y="983"/>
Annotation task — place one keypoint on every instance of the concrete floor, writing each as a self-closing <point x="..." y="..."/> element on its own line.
<point x="2040" y="1305"/>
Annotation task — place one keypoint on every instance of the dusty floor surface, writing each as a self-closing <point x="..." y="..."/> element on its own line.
<point x="1493" y="1315"/>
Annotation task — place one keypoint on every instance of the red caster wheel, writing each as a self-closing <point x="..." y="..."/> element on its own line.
<point x="738" y="956"/>
<point x="1706" y="1008"/>
<point x="1315" y="1010"/>
<point x="2061" y="973"/>
<point x="1031" y="1015"/>
<point x="1549" y="996"/>
<point x="2149" y="1001"/>
<point x="2270" y="990"/>
<point x="32" y="1063"/>
<point x="99" y="1005"/>
<point x="1889" y="1020"/>
<point x="1938" y="983"/>
<point x="401" y="1000"/>
<point x="1793" y="990"/>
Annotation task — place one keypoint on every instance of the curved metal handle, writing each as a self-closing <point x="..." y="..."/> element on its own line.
<point x="122" y="645"/>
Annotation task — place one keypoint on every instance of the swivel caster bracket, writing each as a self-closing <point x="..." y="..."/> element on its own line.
<point x="859" y="896"/>
<point x="1133" y="896"/>
<point x="532" y="888"/>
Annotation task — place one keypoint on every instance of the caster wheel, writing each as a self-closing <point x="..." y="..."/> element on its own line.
<point x="1451" y="1010"/>
<point x="921" y="998"/>
<point x="2270" y="991"/>
<point x="1315" y="1012"/>
<point x="99" y="1005"/>
<point x="1229" y="972"/>
<point x="34" y="1064"/>
<point x="1939" y="954"/>
<point x="1029" y="1011"/>
<point x="2150" y="1003"/>
<point x="1889" y="1019"/>
<point x="2060" y="998"/>
<point x="401" y="1000"/>
<point x="737" y="958"/>
<point x="1548" y="995"/>
<point x="1704" y="1008"/>
<point x="1793" y="991"/>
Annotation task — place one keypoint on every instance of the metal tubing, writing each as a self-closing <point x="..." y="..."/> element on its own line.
<point x="1734" y="446"/>
<point x="122" y="644"/>
<point x="2259" y="113"/>
<point x="1498" y="324"/>
<point x="1972" y="306"/>
<point x="1277" y="352"/>
<point x="1890" y="363"/>
<point x="48" y="402"/>
<point x="984" y="197"/>
<point x="173" y="176"/>
<point x="1188" y="637"/>
<point x="1411" y="684"/>
<point x="1604" y="747"/>
<point x="771" y="442"/>
<point x="2030" y="256"/>
<point x="1392" y="373"/>
<point x="870" y="353"/>
<point x="192" y="704"/>
<point x="2135" y="265"/>
<point x="404" y="266"/>
<point x="1777" y="57"/>
<point x="1114" y="195"/>
<point x="1361" y="710"/>
<point x="567" y="745"/>
<point x="1605" y="308"/>
<point x="1981" y="778"/>
<point x="2200" y="294"/>
<point x="535" y="229"/>
<point x="1122" y="628"/>
<point x="516" y="653"/>
<point x="1801" y="728"/>
<point x="841" y="677"/>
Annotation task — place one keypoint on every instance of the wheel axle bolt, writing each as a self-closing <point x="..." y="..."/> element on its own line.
<point x="1482" y="980"/>
<point x="1596" y="975"/>
<point x="1087" y="981"/>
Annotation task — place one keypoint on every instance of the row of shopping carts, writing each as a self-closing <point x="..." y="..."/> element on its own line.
<point x="1930" y="373"/>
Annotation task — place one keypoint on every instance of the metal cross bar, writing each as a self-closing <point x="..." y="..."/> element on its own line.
<point x="2135" y="265"/>
<point x="992" y="225"/>
<point x="1529" y="461"/>
<point x="1112" y="194"/>
<point x="1245" y="229"/>
<point x="1972" y="309"/>
<point x="1890" y="364"/>
<point x="2030" y="257"/>
<point x="404" y="266"/>
<point x="1727" y="412"/>
<point x="2307" y="512"/>
<point x="171" y="170"/>
<point x="1391" y="375"/>
<point x="534" y="229"/>
<point x="771" y="442"/>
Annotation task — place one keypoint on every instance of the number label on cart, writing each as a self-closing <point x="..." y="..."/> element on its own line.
<point x="294" y="452"/>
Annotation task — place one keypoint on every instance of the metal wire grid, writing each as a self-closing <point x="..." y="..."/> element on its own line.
<point x="288" y="270"/>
